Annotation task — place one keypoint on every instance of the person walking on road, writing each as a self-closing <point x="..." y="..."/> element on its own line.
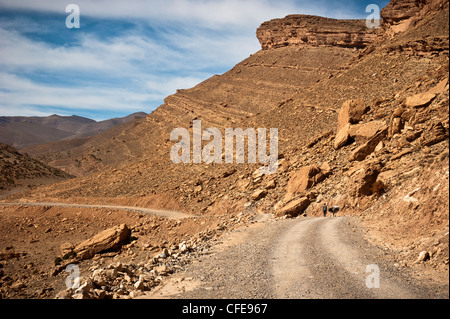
<point x="324" y="209"/>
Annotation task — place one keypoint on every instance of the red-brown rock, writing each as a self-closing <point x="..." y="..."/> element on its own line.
<point x="111" y="238"/>
<point x="294" y="207"/>
<point x="367" y="148"/>
<point x="314" y="30"/>
<point x="304" y="179"/>
<point x="351" y="112"/>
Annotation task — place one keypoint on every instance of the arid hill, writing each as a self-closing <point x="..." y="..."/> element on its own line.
<point x="22" y="131"/>
<point x="260" y="83"/>
<point x="18" y="169"/>
<point x="79" y="156"/>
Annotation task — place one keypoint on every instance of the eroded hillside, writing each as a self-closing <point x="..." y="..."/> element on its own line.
<point x="363" y="126"/>
<point x="18" y="170"/>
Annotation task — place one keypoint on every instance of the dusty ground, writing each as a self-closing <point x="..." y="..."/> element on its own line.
<point x="249" y="255"/>
<point x="30" y="239"/>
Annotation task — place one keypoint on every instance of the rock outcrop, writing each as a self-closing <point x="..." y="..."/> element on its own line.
<point x="399" y="10"/>
<point x="400" y="15"/>
<point x="350" y="114"/>
<point x="111" y="238"/>
<point x="304" y="179"/>
<point x="313" y="30"/>
<point x="368" y="147"/>
<point x="293" y="208"/>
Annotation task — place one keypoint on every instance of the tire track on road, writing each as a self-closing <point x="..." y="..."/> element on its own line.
<point x="304" y="267"/>
<point x="322" y="258"/>
<point x="356" y="264"/>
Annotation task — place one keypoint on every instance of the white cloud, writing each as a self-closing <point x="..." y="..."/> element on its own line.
<point x="210" y="13"/>
<point x="131" y="72"/>
<point x="18" y="93"/>
<point x="93" y="54"/>
<point x="169" y="86"/>
<point x="134" y="53"/>
<point x="21" y="96"/>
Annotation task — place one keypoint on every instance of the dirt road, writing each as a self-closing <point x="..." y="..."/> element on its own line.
<point x="158" y="212"/>
<point x="300" y="258"/>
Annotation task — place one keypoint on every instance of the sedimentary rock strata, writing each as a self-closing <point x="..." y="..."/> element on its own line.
<point x="313" y="30"/>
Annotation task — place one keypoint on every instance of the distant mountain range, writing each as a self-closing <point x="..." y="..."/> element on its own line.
<point x="21" y="131"/>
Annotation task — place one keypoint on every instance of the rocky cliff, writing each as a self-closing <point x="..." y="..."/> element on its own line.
<point x="298" y="89"/>
<point x="399" y="10"/>
<point x="399" y="15"/>
<point x="313" y="30"/>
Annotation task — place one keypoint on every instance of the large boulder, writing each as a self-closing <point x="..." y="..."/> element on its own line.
<point x="419" y="100"/>
<point x="365" y="180"/>
<point x="109" y="239"/>
<point x="367" y="130"/>
<point x="293" y="208"/>
<point x="358" y="132"/>
<point x="342" y="137"/>
<point x="367" y="148"/>
<point x="351" y="112"/>
<point x="304" y="179"/>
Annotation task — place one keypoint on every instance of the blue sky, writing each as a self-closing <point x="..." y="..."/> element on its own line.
<point x="127" y="56"/>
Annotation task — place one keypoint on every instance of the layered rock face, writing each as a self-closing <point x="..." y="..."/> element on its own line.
<point x="314" y="30"/>
<point x="399" y="15"/>
<point x="399" y="10"/>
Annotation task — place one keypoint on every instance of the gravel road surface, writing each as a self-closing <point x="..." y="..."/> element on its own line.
<point x="308" y="257"/>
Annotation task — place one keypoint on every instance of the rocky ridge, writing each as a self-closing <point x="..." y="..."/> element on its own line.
<point x="378" y="77"/>
<point x="23" y="131"/>
<point x="316" y="31"/>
